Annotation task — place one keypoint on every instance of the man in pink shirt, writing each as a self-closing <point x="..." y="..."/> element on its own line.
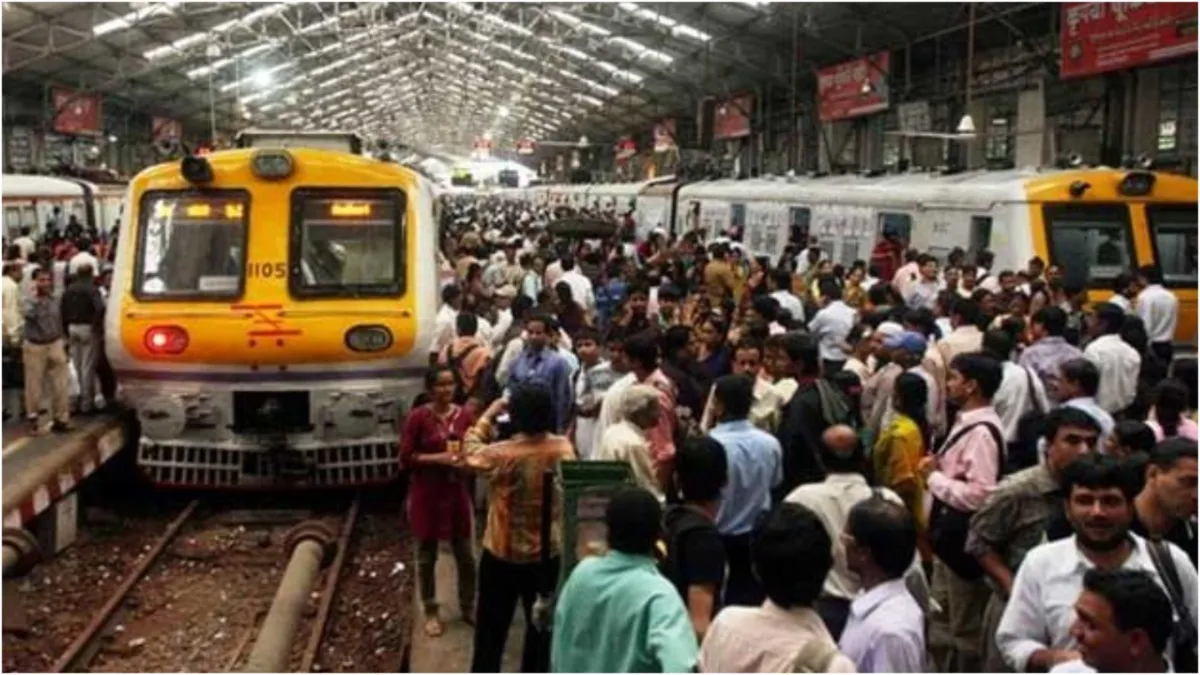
<point x="960" y="477"/>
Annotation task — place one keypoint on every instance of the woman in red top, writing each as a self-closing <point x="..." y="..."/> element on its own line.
<point x="439" y="503"/>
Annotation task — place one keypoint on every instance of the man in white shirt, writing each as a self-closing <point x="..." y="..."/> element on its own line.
<point x="443" y="325"/>
<point x="1118" y="363"/>
<point x="1159" y="310"/>
<point x="831" y="326"/>
<point x="581" y="287"/>
<point x="25" y="243"/>
<point x="503" y="299"/>
<point x="1021" y="391"/>
<point x="924" y="291"/>
<point x="1078" y="383"/>
<point x="781" y="284"/>
<point x="886" y="629"/>
<point x="1035" y="632"/>
<point x="626" y="441"/>
<point x="831" y="500"/>
<point x="83" y="257"/>
<point x="14" y="320"/>
<point x="1124" y="625"/>
<point x="1124" y="288"/>
<point x="792" y="556"/>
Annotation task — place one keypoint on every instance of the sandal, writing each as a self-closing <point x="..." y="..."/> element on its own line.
<point x="434" y="627"/>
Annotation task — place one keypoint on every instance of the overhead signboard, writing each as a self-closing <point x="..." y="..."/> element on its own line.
<point x="75" y="112"/>
<point x="853" y="88"/>
<point x="526" y="146"/>
<point x="165" y="128"/>
<point x="1098" y="37"/>
<point x="731" y="119"/>
<point x="664" y="135"/>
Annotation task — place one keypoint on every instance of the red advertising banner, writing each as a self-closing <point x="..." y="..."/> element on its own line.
<point x="625" y="148"/>
<point x="1101" y="36"/>
<point x="75" y="112"/>
<point x="526" y="146"/>
<point x="731" y="119"/>
<point x="853" y="88"/>
<point x="165" y="128"/>
<point x="664" y="135"/>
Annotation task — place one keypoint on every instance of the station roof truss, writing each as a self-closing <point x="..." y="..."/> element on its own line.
<point x="441" y="75"/>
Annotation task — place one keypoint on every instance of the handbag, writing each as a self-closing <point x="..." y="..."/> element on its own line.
<point x="949" y="526"/>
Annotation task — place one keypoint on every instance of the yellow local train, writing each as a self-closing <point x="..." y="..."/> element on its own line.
<point x="271" y="312"/>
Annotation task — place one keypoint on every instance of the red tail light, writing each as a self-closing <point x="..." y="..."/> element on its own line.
<point x="166" y="340"/>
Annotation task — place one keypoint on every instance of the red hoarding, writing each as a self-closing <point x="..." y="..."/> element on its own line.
<point x="164" y="128"/>
<point x="1100" y="36"/>
<point x="664" y="135"/>
<point x="731" y="119"/>
<point x="75" y="112"/>
<point x="853" y="88"/>
<point x="526" y="146"/>
<point x="625" y="148"/>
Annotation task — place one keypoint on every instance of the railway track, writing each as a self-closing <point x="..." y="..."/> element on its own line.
<point x="196" y="599"/>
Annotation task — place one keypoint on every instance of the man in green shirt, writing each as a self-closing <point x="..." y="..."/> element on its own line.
<point x="616" y="613"/>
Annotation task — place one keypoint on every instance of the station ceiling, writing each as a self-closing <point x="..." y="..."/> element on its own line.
<point x="440" y="75"/>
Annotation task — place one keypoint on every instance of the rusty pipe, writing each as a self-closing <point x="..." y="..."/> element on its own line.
<point x="312" y="548"/>
<point x="21" y="552"/>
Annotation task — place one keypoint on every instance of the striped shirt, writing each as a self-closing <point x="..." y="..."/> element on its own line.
<point x="515" y="470"/>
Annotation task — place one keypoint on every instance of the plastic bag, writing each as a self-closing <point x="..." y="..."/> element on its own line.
<point x="72" y="379"/>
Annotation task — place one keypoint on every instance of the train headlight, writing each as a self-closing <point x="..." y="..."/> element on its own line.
<point x="196" y="170"/>
<point x="272" y="164"/>
<point x="162" y="417"/>
<point x="354" y="416"/>
<point x="166" y="340"/>
<point x="1136" y="184"/>
<point x="369" y="338"/>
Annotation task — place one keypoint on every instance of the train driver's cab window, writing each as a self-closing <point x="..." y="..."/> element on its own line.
<point x="1173" y="229"/>
<point x="347" y="242"/>
<point x="899" y="224"/>
<point x="1090" y="243"/>
<point x="189" y="244"/>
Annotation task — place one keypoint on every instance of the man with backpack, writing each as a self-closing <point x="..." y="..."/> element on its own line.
<point x="467" y="357"/>
<point x="816" y="405"/>
<point x="693" y="554"/>
<point x="960" y="477"/>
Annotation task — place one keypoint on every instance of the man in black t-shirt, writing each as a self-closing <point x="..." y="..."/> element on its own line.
<point x="694" y="558"/>
<point x="1166" y="507"/>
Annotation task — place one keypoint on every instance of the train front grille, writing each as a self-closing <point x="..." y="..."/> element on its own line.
<point x="333" y="466"/>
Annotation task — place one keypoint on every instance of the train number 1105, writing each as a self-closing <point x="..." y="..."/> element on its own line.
<point x="266" y="270"/>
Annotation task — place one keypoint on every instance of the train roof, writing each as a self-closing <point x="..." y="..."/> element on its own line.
<point x="23" y="185"/>
<point x="981" y="187"/>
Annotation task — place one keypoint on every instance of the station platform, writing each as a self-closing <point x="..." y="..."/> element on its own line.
<point x="39" y="470"/>
<point x="451" y="653"/>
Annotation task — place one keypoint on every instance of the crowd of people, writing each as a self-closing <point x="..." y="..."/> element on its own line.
<point x="902" y="464"/>
<point x="55" y="290"/>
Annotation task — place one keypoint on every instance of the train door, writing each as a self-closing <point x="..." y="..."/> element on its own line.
<point x="18" y="215"/>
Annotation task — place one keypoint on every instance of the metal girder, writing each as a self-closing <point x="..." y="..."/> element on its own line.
<point x="53" y="25"/>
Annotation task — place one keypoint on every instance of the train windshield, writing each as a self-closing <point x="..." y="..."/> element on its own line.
<point x="191" y="244"/>
<point x="1092" y="243"/>
<point x="1173" y="232"/>
<point x="347" y="243"/>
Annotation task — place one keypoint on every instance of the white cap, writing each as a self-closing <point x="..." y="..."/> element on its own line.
<point x="889" y="329"/>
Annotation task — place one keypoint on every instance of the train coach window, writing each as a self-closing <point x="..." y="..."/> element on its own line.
<point x="1173" y="230"/>
<point x="185" y="244"/>
<point x="347" y="242"/>
<point x="899" y="224"/>
<point x="1089" y="242"/>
